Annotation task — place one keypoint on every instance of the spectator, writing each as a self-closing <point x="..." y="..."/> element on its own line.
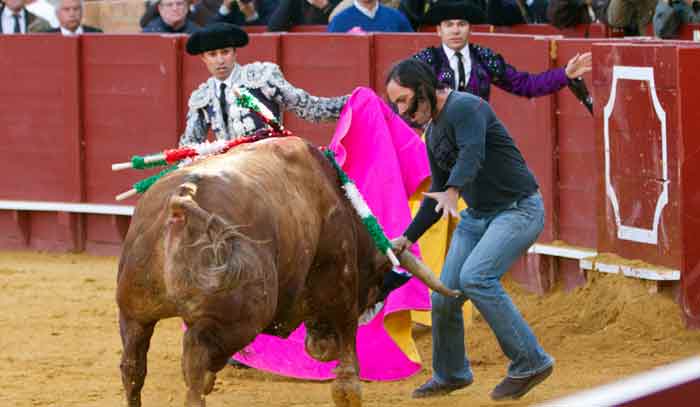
<point x="43" y="9"/>
<point x="348" y="3"/>
<point x="370" y="16"/>
<point x="570" y="13"/>
<point x="300" y="12"/>
<point x="201" y="11"/>
<point x="632" y="16"/>
<point x="480" y="67"/>
<point x="70" y="16"/>
<point x="671" y="14"/>
<point x="511" y="12"/>
<point x="15" y="19"/>
<point x="212" y="105"/>
<point x="173" y="18"/>
<point x="245" y="12"/>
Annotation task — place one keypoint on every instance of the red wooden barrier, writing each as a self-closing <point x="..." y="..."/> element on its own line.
<point x="324" y="65"/>
<point x="638" y="178"/>
<point x="577" y="168"/>
<point x="648" y="207"/>
<point x="40" y="121"/>
<point x="386" y="53"/>
<point x="131" y="98"/>
<point x="688" y="86"/>
<point x="580" y="31"/>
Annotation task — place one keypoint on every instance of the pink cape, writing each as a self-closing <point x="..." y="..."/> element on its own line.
<point x="387" y="161"/>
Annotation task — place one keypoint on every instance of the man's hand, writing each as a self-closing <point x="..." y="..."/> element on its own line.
<point x="247" y="8"/>
<point x="400" y="244"/>
<point x="578" y="65"/>
<point x="446" y="201"/>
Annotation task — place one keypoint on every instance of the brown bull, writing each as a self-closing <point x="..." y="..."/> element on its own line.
<point x="255" y="241"/>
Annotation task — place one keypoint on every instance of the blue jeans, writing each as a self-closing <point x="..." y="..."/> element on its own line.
<point x="483" y="248"/>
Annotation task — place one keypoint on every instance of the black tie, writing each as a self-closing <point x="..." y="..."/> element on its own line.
<point x="222" y="103"/>
<point x="17" y="30"/>
<point x="462" y="86"/>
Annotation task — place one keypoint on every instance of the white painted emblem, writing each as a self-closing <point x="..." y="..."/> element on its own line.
<point x="637" y="234"/>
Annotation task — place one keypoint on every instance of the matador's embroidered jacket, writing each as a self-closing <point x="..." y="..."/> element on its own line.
<point x="265" y="81"/>
<point x="489" y="68"/>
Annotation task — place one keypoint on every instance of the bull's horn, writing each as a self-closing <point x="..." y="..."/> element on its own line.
<point x="424" y="274"/>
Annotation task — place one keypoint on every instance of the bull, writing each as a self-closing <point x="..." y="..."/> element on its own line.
<point x="257" y="240"/>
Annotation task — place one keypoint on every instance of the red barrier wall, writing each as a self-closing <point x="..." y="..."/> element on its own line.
<point x="635" y="151"/>
<point x="576" y="167"/>
<point x="40" y="121"/>
<point x="131" y="96"/>
<point x="596" y="30"/>
<point x="688" y="84"/>
<point x="345" y="62"/>
<point x="386" y="53"/>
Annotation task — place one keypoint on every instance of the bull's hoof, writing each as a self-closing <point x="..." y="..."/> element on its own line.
<point x="347" y="394"/>
<point x="209" y="380"/>
<point x="195" y="400"/>
<point x="322" y="349"/>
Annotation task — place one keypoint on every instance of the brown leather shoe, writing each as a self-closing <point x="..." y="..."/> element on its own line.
<point x="512" y="388"/>
<point x="432" y="388"/>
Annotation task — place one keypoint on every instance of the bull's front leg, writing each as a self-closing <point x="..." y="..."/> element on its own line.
<point x="136" y="338"/>
<point x="346" y="390"/>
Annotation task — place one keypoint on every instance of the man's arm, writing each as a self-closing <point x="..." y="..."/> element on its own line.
<point x="304" y="105"/>
<point x="526" y="84"/>
<point x="196" y="128"/>
<point x="426" y="215"/>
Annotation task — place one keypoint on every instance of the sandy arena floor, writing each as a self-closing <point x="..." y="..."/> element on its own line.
<point x="60" y="343"/>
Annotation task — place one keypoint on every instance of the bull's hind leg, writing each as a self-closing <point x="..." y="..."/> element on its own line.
<point x="136" y="338"/>
<point x="206" y="348"/>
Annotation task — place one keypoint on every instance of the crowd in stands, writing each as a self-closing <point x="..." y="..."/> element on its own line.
<point x="629" y="17"/>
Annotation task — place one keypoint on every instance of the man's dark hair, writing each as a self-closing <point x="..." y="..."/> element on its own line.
<point x="418" y="76"/>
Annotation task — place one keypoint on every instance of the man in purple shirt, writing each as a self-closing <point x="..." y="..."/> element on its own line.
<point x="471" y="68"/>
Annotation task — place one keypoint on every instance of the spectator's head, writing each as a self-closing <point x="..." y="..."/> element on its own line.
<point x="69" y="13"/>
<point x="368" y="4"/>
<point x="411" y="87"/>
<point x="453" y="21"/>
<point x="173" y="12"/>
<point x="216" y="44"/>
<point x="14" y="5"/>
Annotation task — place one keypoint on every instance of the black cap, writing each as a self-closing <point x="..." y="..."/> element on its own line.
<point x="456" y="10"/>
<point x="216" y="36"/>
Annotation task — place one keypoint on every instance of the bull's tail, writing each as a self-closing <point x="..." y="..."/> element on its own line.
<point x="206" y="250"/>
